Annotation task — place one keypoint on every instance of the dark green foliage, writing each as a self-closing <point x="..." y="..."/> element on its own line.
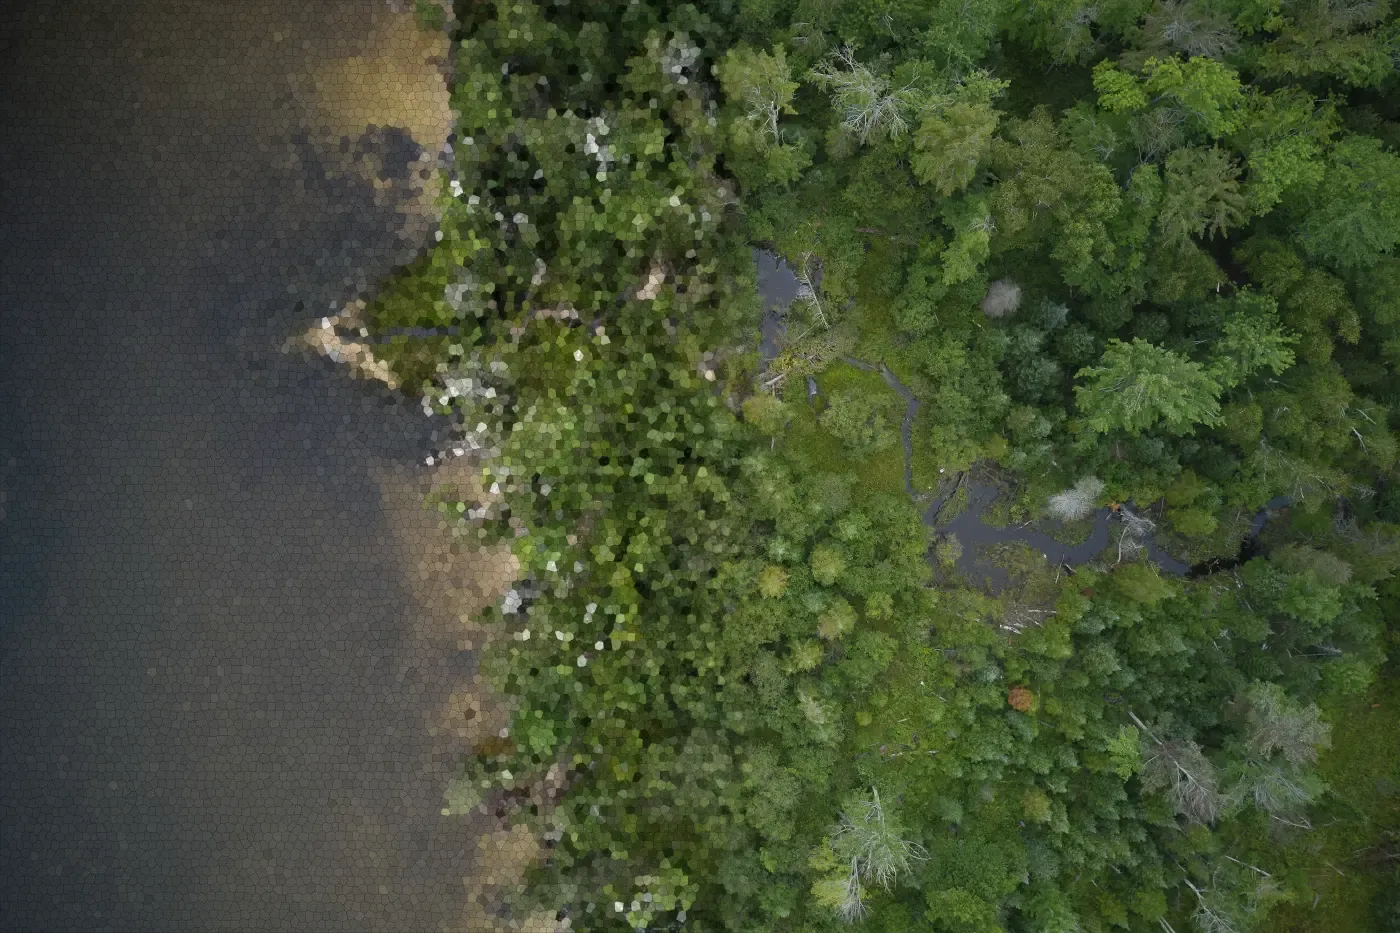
<point x="1148" y="242"/>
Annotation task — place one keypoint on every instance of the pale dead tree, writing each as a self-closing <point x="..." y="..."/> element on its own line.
<point x="1282" y="737"/>
<point x="986" y="223"/>
<point x="1278" y="791"/>
<point x="1157" y="131"/>
<point x="871" y="841"/>
<point x="1003" y="299"/>
<point x="1181" y="769"/>
<point x="764" y="110"/>
<point x="1232" y="904"/>
<point x="807" y="292"/>
<point x="1209" y="916"/>
<point x="865" y="100"/>
<point x="1079" y="501"/>
<point x="1133" y="532"/>
<point x="852" y="908"/>
<point x="1016" y="618"/>
<point x="1180" y="26"/>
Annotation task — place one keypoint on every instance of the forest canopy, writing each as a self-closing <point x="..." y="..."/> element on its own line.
<point x="1136" y="264"/>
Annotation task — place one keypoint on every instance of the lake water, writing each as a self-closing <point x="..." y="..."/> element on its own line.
<point x="232" y="647"/>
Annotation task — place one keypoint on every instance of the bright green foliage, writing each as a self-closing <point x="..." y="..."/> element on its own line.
<point x="1251" y="339"/>
<point x="963" y="258"/>
<point x="763" y="84"/>
<point x="1125" y="751"/>
<point x="952" y="141"/>
<point x="950" y="145"/>
<point x="827" y="564"/>
<point x="1051" y="194"/>
<point x="766" y="413"/>
<point x="1141" y="386"/>
<point x="759" y="89"/>
<point x="867" y="422"/>
<point x="773" y="582"/>
<point x="1119" y="92"/>
<point x="1206" y="90"/>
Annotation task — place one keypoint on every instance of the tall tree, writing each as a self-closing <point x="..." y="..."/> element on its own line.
<point x="1139" y="386"/>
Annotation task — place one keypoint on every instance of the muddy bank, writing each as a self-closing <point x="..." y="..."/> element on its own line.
<point x="235" y="673"/>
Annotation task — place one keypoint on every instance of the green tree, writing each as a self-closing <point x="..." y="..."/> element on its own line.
<point x="1353" y="218"/>
<point x="767" y="413"/>
<point x="953" y="140"/>
<point x="1251" y="339"/>
<point x="762" y="84"/>
<point x="1205" y="92"/>
<point x="866" y="421"/>
<point x="1140" y="386"/>
<point x="827" y="563"/>
<point x="759" y="88"/>
<point x="1202" y="195"/>
<point x="1208" y="91"/>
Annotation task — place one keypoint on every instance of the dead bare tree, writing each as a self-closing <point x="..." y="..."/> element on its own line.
<point x="1181" y="769"/>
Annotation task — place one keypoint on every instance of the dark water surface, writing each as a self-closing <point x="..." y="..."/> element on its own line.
<point x="212" y="699"/>
<point x="777" y="284"/>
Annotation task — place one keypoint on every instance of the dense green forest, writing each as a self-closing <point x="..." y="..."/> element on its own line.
<point x="1134" y="254"/>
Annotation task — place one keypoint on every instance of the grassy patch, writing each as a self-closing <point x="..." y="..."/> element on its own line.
<point x="811" y="444"/>
<point x="878" y="333"/>
<point x="953" y="506"/>
<point x="1071" y="534"/>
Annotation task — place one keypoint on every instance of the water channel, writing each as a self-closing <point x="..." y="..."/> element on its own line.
<point x="778" y="287"/>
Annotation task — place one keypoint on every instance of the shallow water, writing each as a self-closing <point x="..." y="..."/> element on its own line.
<point x="778" y="285"/>
<point x="227" y="678"/>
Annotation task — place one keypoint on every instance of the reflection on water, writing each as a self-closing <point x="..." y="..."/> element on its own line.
<point x="232" y="679"/>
